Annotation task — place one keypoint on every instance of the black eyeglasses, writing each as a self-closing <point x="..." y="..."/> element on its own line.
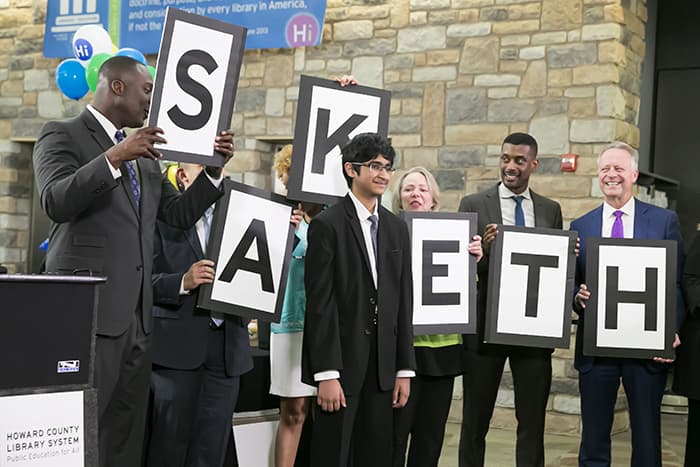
<point x="376" y="167"/>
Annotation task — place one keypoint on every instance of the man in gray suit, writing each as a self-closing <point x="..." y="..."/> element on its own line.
<point x="511" y="202"/>
<point x="103" y="191"/>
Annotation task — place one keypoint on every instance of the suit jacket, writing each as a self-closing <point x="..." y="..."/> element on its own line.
<point x="487" y="205"/>
<point x="341" y="299"/>
<point x="96" y="226"/>
<point x="686" y="375"/>
<point x="650" y="223"/>
<point x="181" y="330"/>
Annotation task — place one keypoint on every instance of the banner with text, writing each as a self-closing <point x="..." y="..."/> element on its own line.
<point x="139" y="23"/>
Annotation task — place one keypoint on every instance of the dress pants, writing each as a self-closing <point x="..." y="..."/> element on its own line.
<point x="692" y="439"/>
<point x="532" y="377"/>
<point x="359" y="435"/>
<point x="644" y="390"/>
<point x="423" y="418"/>
<point x="192" y="410"/>
<point x="122" y="368"/>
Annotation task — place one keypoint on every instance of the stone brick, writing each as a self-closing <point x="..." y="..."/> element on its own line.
<point x="547" y="38"/>
<point x="406" y="141"/>
<point x="418" y="39"/>
<point x="425" y="157"/>
<point x="337" y="66"/>
<point x="593" y="14"/>
<point x="573" y="208"/>
<point x="502" y="93"/>
<point x="468" y="156"/>
<point x="466" y="105"/>
<point x="14" y="221"/>
<point x="594" y="74"/>
<point x="250" y="100"/>
<point x="561" y="14"/>
<point x="531" y="53"/>
<point x="553" y="106"/>
<point x="314" y="65"/>
<point x="435" y="73"/>
<point x="614" y="13"/>
<point x="27" y="127"/>
<point x="497" y="80"/>
<point x="275" y="101"/>
<point x="279" y="71"/>
<point x="562" y="424"/>
<point x="560" y="77"/>
<point x="449" y="179"/>
<point x="429" y="4"/>
<point x="368" y="12"/>
<point x="551" y="133"/>
<point x="418" y="18"/>
<point x="14" y="17"/>
<point x="443" y="17"/>
<point x="279" y="126"/>
<point x="582" y="108"/>
<point x="600" y="32"/>
<point x="548" y="165"/>
<point x="593" y="131"/>
<point x="578" y="92"/>
<point x="508" y="53"/>
<point x="534" y="82"/>
<point x="471" y="3"/>
<point x="352" y="30"/>
<point x="610" y="102"/>
<point x="21" y="63"/>
<point x="50" y="105"/>
<point x="513" y="27"/>
<point x="254" y="70"/>
<point x="443" y="57"/>
<point x="370" y="69"/>
<point x="36" y="80"/>
<point x="456" y="135"/>
<point x="515" y="39"/>
<point x="612" y="52"/>
<point x="480" y="55"/>
<point x="399" y="14"/>
<point x="571" y="55"/>
<point x="369" y="47"/>
<point x="494" y="14"/>
<point x="245" y="161"/>
<point x="511" y="110"/>
<point x="514" y="67"/>
<point x="433" y="116"/>
<point x="255" y="126"/>
<point x="12" y="88"/>
<point x="404" y="125"/>
<point x="469" y="30"/>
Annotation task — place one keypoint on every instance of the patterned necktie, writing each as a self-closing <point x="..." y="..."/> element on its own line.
<point x="373" y="232"/>
<point x="207" y="218"/>
<point x="618" y="230"/>
<point x="133" y="179"/>
<point x="519" y="214"/>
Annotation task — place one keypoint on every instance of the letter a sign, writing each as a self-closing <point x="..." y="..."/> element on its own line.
<point x="251" y="243"/>
<point x="196" y="79"/>
<point x="328" y="116"/>
<point x="632" y="309"/>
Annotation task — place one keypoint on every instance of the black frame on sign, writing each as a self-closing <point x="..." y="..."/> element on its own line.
<point x="449" y="327"/>
<point x="491" y="334"/>
<point x="229" y="96"/>
<point x="590" y="322"/>
<point x="219" y="221"/>
<point x="301" y="130"/>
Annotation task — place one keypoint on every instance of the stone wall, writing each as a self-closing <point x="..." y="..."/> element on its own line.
<point x="463" y="74"/>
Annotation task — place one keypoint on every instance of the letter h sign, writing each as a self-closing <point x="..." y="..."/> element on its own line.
<point x="631" y="312"/>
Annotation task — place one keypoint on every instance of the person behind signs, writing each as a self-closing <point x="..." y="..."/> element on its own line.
<point x="103" y="191"/>
<point x="686" y="375"/>
<point x="621" y="216"/>
<point x="198" y="356"/>
<point x="358" y="334"/>
<point x="286" y="337"/>
<point x="510" y="202"/>
<point x="438" y="357"/>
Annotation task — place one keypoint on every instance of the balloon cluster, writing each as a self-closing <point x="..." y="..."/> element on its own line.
<point x="92" y="46"/>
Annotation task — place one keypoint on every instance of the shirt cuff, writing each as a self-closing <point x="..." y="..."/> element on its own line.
<point x="116" y="173"/>
<point x="215" y="181"/>
<point x="182" y="287"/>
<point x="326" y="375"/>
<point x="405" y="374"/>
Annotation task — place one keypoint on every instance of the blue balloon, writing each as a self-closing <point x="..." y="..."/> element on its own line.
<point x="133" y="53"/>
<point x="70" y="78"/>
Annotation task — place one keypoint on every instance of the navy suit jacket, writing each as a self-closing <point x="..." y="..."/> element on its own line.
<point x="180" y="329"/>
<point x="650" y="223"/>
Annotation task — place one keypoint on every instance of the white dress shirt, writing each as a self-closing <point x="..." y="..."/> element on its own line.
<point x="508" y="206"/>
<point x="627" y="219"/>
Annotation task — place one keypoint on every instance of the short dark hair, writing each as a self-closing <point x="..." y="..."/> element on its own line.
<point x="517" y="139"/>
<point x="365" y="147"/>
<point x="116" y="67"/>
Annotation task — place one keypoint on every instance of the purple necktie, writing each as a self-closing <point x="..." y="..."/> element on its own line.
<point x="119" y="136"/>
<point x="617" y="230"/>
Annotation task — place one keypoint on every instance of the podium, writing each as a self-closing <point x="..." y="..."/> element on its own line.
<point x="48" y="404"/>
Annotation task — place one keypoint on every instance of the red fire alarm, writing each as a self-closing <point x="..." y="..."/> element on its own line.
<point x="568" y="162"/>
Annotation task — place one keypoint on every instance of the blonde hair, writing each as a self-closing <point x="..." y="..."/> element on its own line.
<point x="432" y="186"/>
<point x="625" y="147"/>
<point x="283" y="160"/>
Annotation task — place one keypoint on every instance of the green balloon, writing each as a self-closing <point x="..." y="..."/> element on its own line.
<point x="92" y="71"/>
<point x="153" y="71"/>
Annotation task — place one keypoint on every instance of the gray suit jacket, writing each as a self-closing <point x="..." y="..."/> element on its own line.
<point x="96" y="226"/>
<point x="487" y="205"/>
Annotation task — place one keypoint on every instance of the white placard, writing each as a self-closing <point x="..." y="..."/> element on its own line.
<point x="42" y="430"/>
<point x="255" y="443"/>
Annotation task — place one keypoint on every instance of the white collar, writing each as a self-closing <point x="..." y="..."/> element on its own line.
<point x="362" y="212"/>
<point x="627" y="209"/>
<point x="104" y="122"/>
<point x="504" y="192"/>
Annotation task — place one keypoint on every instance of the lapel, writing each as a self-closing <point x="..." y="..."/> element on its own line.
<point x="354" y="223"/>
<point x="641" y="220"/>
<point x="538" y="209"/>
<point x="493" y="206"/>
<point x="193" y="240"/>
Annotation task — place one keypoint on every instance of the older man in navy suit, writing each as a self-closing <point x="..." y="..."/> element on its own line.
<point x="621" y="216"/>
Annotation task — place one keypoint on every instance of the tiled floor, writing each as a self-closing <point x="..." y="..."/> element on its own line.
<point x="563" y="450"/>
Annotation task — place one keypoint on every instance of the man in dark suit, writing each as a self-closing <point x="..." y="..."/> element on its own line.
<point x="510" y="203"/>
<point x="103" y="191"/>
<point x="358" y="339"/>
<point x="197" y="356"/>
<point x="621" y="216"/>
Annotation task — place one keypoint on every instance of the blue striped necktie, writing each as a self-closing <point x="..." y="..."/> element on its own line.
<point x="131" y="170"/>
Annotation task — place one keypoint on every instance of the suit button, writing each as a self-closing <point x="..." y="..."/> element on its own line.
<point x="368" y="332"/>
<point x="372" y="300"/>
<point x="139" y="268"/>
